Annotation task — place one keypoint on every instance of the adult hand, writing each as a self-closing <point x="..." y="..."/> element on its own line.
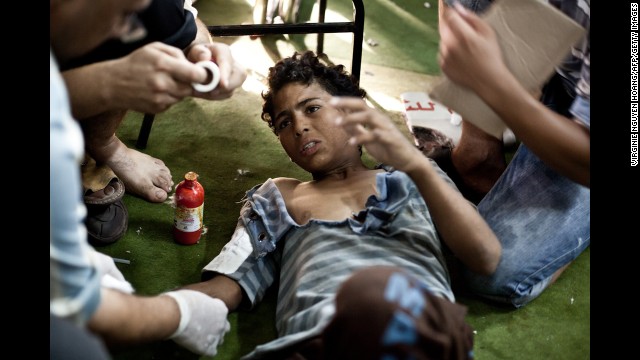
<point x="232" y="74"/>
<point x="371" y="128"/>
<point x="111" y="275"/>
<point x="152" y="78"/>
<point x="203" y="321"/>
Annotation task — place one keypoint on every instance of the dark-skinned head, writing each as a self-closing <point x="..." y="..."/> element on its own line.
<point x="306" y="68"/>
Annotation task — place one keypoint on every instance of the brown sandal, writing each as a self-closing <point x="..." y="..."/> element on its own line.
<point x="107" y="216"/>
<point x="100" y="183"/>
<point x="106" y="224"/>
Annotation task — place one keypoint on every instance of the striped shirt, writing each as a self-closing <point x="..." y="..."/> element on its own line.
<point x="312" y="261"/>
<point x="576" y="67"/>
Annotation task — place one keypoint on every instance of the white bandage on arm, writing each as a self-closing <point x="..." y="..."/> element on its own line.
<point x="233" y="254"/>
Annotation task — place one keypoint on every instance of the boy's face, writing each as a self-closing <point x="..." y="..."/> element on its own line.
<point x="305" y="124"/>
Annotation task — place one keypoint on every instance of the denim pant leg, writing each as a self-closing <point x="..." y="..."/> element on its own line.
<point x="542" y="220"/>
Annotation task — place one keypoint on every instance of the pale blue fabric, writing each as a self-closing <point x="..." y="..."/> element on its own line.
<point x="581" y="109"/>
<point x="74" y="287"/>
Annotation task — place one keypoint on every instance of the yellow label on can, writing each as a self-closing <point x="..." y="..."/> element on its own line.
<point x="188" y="219"/>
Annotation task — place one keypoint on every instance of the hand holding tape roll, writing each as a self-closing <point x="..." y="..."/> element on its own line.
<point x="214" y="74"/>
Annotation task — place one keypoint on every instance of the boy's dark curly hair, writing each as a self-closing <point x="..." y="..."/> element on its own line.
<point x="306" y="68"/>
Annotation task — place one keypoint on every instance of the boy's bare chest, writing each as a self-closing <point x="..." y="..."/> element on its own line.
<point x="330" y="202"/>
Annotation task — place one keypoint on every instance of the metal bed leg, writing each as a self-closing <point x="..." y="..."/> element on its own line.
<point x="145" y="130"/>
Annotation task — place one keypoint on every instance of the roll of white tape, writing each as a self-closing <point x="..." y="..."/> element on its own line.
<point x="213" y="71"/>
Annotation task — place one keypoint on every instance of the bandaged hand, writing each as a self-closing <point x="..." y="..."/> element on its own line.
<point x="203" y="322"/>
<point x="111" y="275"/>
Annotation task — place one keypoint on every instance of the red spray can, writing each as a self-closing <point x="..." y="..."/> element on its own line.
<point x="187" y="223"/>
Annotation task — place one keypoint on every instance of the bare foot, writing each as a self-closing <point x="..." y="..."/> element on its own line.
<point x="142" y="175"/>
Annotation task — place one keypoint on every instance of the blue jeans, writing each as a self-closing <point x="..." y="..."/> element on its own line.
<point x="543" y="221"/>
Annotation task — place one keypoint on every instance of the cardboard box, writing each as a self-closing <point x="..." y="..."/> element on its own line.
<point x="534" y="37"/>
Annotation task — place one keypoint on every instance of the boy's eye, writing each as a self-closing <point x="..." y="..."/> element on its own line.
<point x="313" y="108"/>
<point x="282" y="124"/>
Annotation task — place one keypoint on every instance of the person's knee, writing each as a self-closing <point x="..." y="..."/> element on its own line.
<point x="102" y="127"/>
<point x="505" y="286"/>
